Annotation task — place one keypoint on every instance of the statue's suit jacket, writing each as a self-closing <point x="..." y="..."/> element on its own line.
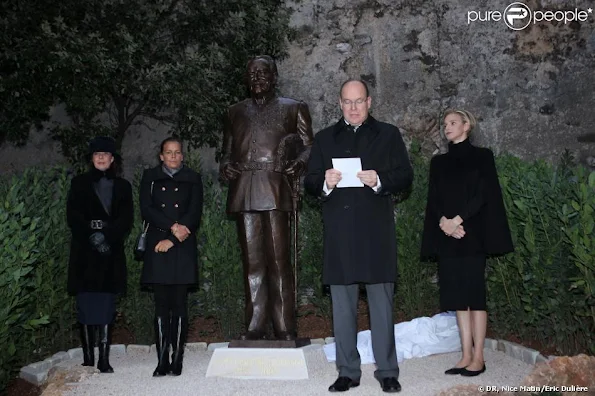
<point x="251" y="140"/>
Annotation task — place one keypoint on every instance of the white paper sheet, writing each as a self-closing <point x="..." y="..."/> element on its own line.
<point x="348" y="168"/>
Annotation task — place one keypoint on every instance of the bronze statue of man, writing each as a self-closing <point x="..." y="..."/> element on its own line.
<point x="260" y="195"/>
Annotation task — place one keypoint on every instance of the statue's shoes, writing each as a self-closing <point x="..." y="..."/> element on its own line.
<point x="252" y="335"/>
<point x="286" y="336"/>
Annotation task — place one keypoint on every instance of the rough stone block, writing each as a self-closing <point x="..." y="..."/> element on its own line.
<point x="491" y="344"/>
<point x="217" y="345"/>
<point x="501" y="347"/>
<point x="138" y="349"/>
<point x="43" y="365"/>
<point x="33" y="374"/>
<point x="61" y="356"/>
<point x="329" y="340"/>
<point x="312" y="347"/>
<point x="51" y="361"/>
<point x="75" y="353"/>
<point x="530" y="355"/>
<point x="118" y="349"/>
<point x="196" y="346"/>
<point x="512" y="349"/>
<point x="540" y="359"/>
<point x="317" y="341"/>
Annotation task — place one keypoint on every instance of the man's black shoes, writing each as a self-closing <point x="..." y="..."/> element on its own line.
<point x="343" y="384"/>
<point x="390" y="385"/>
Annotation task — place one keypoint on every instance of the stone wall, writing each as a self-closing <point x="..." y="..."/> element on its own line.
<point x="532" y="89"/>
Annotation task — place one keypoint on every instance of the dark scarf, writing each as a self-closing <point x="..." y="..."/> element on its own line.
<point x="103" y="184"/>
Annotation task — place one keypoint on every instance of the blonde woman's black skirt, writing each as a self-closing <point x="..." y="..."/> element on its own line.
<point x="462" y="283"/>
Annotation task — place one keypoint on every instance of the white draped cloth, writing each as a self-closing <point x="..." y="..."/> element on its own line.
<point x="417" y="338"/>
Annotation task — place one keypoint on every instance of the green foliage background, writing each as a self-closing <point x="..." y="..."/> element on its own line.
<point x="544" y="291"/>
<point x="113" y="64"/>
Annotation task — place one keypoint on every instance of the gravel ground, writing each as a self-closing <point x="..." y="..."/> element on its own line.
<point x="419" y="376"/>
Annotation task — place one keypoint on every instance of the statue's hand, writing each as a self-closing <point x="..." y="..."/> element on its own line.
<point x="296" y="168"/>
<point x="230" y="172"/>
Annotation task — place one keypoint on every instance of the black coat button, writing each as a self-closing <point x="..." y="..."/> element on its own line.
<point x="346" y="207"/>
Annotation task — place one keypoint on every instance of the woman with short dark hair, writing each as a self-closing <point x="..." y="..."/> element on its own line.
<point x="100" y="214"/>
<point x="171" y="198"/>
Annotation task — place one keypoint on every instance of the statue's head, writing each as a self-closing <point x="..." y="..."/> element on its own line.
<point x="261" y="75"/>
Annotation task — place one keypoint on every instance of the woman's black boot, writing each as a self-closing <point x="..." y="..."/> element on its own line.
<point x="179" y="332"/>
<point x="88" y="344"/>
<point x="104" y="346"/>
<point x="162" y="345"/>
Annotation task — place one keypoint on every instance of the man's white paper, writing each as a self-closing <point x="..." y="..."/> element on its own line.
<point x="348" y="168"/>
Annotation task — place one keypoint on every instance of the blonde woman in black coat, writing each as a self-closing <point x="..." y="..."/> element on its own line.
<point x="171" y="197"/>
<point x="100" y="214"/>
<point x="465" y="222"/>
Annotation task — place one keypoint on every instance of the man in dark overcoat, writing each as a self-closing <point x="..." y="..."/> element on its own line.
<point x="260" y="195"/>
<point x="360" y="244"/>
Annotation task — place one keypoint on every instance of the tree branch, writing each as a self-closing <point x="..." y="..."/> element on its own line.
<point x="133" y="115"/>
<point x="168" y="119"/>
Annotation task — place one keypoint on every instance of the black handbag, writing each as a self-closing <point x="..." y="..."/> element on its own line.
<point x="141" y="241"/>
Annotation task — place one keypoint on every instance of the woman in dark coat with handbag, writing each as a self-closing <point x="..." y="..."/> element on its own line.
<point x="100" y="214"/>
<point x="171" y="199"/>
<point x="465" y="222"/>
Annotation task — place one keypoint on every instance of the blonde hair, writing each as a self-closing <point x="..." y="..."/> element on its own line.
<point x="466" y="116"/>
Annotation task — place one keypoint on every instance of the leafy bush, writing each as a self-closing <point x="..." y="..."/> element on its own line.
<point x="544" y="289"/>
<point x="416" y="288"/>
<point x="35" y="316"/>
<point x="221" y="293"/>
<point x="136" y="306"/>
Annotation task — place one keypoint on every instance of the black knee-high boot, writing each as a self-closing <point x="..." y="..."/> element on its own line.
<point x="162" y="343"/>
<point x="88" y="344"/>
<point x="104" y="346"/>
<point x="179" y="332"/>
